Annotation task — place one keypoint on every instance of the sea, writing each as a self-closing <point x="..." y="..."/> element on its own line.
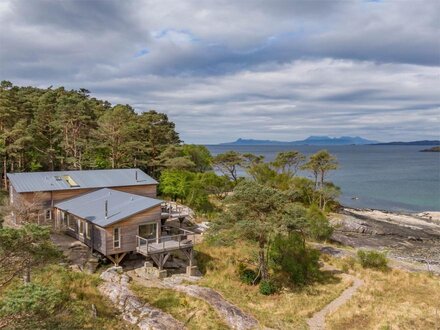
<point x="383" y="177"/>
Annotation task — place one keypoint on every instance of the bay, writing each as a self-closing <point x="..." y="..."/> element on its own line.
<point x="393" y="178"/>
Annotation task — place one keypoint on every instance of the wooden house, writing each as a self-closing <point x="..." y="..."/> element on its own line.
<point x="114" y="212"/>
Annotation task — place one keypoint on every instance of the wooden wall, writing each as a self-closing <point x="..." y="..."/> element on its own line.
<point x="129" y="230"/>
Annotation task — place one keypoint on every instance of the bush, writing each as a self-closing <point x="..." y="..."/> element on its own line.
<point x="247" y="276"/>
<point x="373" y="259"/>
<point x="290" y="255"/>
<point x="319" y="227"/>
<point x="267" y="287"/>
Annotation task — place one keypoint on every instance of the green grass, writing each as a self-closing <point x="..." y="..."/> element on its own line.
<point x="287" y="309"/>
<point x="77" y="293"/>
<point x="194" y="313"/>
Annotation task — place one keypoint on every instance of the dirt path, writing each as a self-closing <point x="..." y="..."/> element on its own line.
<point x="231" y="314"/>
<point x="317" y="321"/>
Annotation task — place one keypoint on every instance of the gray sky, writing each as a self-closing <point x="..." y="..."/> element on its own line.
<point x="227" y="69"/>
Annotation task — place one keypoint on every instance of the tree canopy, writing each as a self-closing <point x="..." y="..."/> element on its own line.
<point x="59" y="129"/>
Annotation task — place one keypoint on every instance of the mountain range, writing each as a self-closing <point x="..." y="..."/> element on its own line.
<point x="327" y="140"/>
<point x="311" y="140"/>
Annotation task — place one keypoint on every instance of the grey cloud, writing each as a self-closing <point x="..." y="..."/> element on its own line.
<point x="258" y="69"/>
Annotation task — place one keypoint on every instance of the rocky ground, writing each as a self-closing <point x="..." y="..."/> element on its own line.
<point x="406" y="237"/>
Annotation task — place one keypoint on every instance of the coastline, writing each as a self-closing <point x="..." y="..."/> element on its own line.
<point x="412" y="238"/>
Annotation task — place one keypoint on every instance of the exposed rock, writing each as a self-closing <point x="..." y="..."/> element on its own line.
<point x="230" y="313"/>
<point x="133" y="310"/>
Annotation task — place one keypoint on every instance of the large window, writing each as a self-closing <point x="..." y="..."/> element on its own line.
<point x="116" y="238"/>
<point x="147" y="231"/>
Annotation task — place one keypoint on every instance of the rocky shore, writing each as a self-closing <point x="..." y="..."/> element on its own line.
<point x="413" y="238"/>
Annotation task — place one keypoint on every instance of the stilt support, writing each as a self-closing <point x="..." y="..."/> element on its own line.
<point x="117" y="258"/>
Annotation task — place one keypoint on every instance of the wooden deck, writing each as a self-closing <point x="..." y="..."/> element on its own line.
<point x="160" y="249"/>
<point x="147" y="247"/>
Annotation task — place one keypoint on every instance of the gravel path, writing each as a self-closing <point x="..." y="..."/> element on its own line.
<point x="317" y="321"/>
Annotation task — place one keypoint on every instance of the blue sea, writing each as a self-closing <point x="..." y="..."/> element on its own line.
<point x="393" y="178"/>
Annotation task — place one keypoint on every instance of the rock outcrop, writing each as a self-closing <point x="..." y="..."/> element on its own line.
<point x="133" y="310"/>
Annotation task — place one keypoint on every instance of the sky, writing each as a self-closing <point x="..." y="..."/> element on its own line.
<point x="221" y="70"/>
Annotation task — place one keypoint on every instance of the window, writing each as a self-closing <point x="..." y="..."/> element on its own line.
<point x="147" y="231"/>
<point x="70" y="181"/>
<point x="116" y="238"/>
<point x="48" y="214"/>
<point x="70" y="222"/>
<point x="88" y="230"/>
<point x="81" y="227"/>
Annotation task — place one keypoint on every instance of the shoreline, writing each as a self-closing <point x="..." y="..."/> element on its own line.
<point x="407" y="237"/>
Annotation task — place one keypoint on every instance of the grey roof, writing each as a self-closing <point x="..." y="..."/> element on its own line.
<point x="120" y="205"/>
<point x="47" y="181"/>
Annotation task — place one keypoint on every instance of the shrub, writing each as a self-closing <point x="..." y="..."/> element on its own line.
<point x="372" y="259"/>
<point x="247" y="276"/>
<point x="290" y="255"/>
<point x="267" y="287"/>
<point x="318" y="226"/>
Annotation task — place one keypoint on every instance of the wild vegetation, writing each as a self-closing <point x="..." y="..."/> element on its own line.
<point x="391" y="299"/>
<point x="55" y="128"/>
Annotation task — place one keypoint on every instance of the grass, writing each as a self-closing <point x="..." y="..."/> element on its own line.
<point x="392" y="299"/>
<point x="79" y="292"/>
<point x="288" y="309"/>
<point x="193" y="312"/>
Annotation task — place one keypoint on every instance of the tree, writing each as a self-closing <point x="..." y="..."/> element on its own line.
<point x="175" y="184"/>
<point x="253" y="213"/>
<point x="214" y="184"/>
<point x="319" y="164"/>
<point x="117" y="131"/>
<point x="199" y="155"/>
<point x="288" y="162"/>
<point x="228" y="163"/>
<point x="22" y="250"/>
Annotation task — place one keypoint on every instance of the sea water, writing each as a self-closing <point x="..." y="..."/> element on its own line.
<point x="394" y="178"/>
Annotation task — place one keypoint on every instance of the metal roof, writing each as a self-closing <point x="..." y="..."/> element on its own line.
<point x="50" y="181"/>
<point x="120" y="205"/>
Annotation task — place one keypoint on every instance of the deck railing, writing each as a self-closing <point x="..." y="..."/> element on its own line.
<point x="164" y="243"/>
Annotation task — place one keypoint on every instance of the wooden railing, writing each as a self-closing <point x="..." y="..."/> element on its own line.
<point x="186" y="239"/>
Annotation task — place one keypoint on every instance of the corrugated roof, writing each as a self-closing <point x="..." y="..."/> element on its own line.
<point x="50" y="181"/>
<point x="120" y="205"/>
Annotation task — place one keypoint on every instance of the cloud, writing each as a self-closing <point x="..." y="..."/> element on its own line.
<point x="258" y="69"/>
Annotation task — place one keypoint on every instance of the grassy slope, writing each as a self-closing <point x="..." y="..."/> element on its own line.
<point x="80" y="292"/>
<point x="393" y="299"/>
<point x="286" y="310"/>
<point x="194" y="313"/>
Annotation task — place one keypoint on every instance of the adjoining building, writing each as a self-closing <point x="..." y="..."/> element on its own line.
<point x="114" y="212"/>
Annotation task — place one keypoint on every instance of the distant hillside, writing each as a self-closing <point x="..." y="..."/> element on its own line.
<point x="412" y="143"/>
<point x="311" y="140"/>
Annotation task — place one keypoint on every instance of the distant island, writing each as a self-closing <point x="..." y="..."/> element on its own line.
<point x="311" y="140"/>
<point x="328" y="141"/>
<point x="411" y="143"/>
<point x="433" y="149"/>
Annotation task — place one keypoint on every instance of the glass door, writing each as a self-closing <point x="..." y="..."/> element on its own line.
<point x="147" y="231"/>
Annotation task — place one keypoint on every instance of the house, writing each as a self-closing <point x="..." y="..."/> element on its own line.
<point x="114" y="212"/>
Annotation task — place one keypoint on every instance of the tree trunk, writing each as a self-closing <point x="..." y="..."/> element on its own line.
<point x="262" y="263"/>
<point x="27" y="275"/>
<point x="5" y="171"/>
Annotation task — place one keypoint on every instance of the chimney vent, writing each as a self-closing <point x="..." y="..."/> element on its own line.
<point x="136" y="175"/>
<point x="106" y="208"/>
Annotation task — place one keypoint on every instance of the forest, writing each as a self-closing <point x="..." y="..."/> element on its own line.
<point x="58" y="129"/>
